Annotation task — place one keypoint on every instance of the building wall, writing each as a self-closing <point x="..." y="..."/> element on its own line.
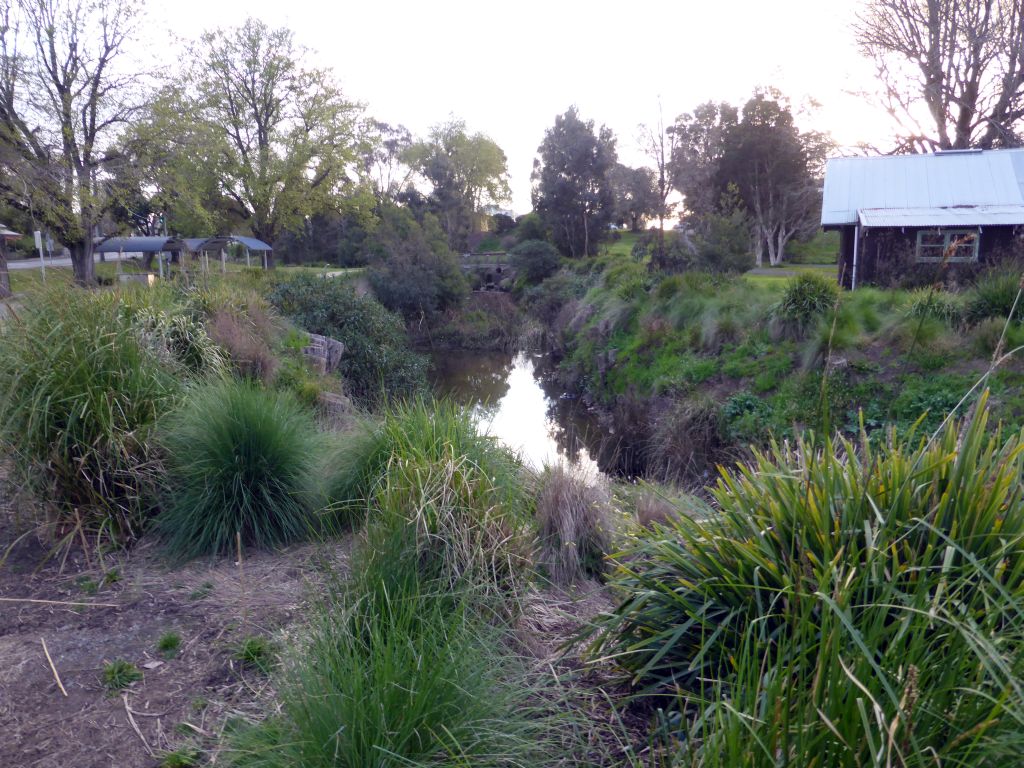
<point x="888" y="256"/>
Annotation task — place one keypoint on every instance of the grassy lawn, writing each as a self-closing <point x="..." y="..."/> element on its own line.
<point x="823" y="248"/>
<point x="621" y="247"/>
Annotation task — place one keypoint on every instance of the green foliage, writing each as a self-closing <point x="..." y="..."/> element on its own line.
<point x="182" y="757"/>
<point x="444" y="503"/>
<point x="119" y="674"/>
<point x="257" y="652"/>
<point x="80" y="386"/>
<point x="846" y="602"/>
<point x="807" y="297"/>
<point x="403" y="680"/>
<point x="378" y="364"/>
<point x="240" y="461"/>
<point x="535" y="260"/>
<point x="723" y="242"/>
<point x="414" y="273"/>
<point x="168" y="644"/>
<point x="936" y="305"/>
<point x="993" y="295"/>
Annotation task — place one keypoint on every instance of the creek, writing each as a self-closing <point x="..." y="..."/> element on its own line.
<point x="516" y="398"/>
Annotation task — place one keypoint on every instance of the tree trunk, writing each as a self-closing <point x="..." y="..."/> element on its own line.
<point x="758" y="250"/>
<point x="586" y="236"/>
<point x="81" y="261"/>
<point x="5" y="276"/>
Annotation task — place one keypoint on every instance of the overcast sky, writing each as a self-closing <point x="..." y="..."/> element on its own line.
<point x="508" y="68"/>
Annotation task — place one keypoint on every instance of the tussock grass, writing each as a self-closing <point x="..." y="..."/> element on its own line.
<point x="240" y="462"/>
<point x="850" y="605"/>
<point x="575" y="525"/>
<point x="81" y="384"/>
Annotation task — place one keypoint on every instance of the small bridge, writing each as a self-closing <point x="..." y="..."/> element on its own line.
<point x="492" y="267"/>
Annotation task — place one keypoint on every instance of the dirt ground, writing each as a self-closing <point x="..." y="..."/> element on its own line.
<point x="90" y="613"/>
<point x="181" y="700"/>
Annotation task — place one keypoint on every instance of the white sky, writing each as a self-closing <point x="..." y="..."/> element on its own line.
<point x="507" y="69"/>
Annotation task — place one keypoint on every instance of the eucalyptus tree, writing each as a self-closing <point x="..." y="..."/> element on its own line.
<point x="572" y="191"/>
<point x="66" y="89"/>
<point x="464" y="171"/>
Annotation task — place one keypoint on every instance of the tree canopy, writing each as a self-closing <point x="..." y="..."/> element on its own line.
<point x="571" y="189"/>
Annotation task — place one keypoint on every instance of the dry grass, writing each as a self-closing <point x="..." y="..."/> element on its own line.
<point x="246" y="338"/>
<point x="574" y="521"/>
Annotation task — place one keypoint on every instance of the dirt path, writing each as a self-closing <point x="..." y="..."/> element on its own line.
<point x="212" y="605"/>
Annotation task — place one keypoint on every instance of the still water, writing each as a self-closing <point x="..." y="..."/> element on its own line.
<point x="515" y="398"/>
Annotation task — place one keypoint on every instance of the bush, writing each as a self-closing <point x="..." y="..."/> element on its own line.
<point x="378" y="364"/>
<point x="855" y="592"/>
<point x="240" y="461"/>
<point x="807" y="297"/>
<point x="574" y="519"/>
<point x="993" y="295"/>
<point x="535" y="260"/>
<point x="80" y="386"/>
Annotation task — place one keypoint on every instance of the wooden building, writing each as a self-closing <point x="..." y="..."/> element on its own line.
<point x="946" y="212"/>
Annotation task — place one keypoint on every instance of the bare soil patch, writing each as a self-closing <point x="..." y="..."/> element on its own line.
<point x="124" y="607"/>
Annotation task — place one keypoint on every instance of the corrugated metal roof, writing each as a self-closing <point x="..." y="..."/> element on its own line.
<point x="946" y="183"/>
<point x="217" y="242"/>
<point x="965" y="216"/>
<point x="138" y="244"/>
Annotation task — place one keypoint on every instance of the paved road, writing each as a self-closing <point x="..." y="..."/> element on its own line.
<point x="55" y="262"/>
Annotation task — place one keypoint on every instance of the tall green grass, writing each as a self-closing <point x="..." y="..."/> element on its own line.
<point x="241" y="461"/>
<point x="850" y="605"/>
<point x="438" y="495"/>
<point x="81" y="384"/>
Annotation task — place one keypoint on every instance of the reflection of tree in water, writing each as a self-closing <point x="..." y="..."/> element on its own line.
<point x="471" y="378"/>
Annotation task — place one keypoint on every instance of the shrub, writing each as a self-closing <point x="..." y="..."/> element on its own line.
<point x="535" y="260"/>
<point x="574" y="521"/>
<point x="807" y="297"/>
<point x="854" y="592"/>
<point x="240" y="460"/>
<point x="80" y="387"/>
<point x="993" y="295"/>
<point x="378" y="364"/>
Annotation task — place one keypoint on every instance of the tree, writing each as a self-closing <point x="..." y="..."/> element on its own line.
<point x="696" y="152"/>
<point x="284" y="133"/>
<point x="535" y="260"/>
<point x="635" y="193"/>
<point x="384" y="158"/>
<point x="659" y="145"/>
<point x="961" y="60"/>
<point x="571" y="190"/>
<point x="465" y="172"/>
<point x="773" y="167"/>
<point x="61" y="101"/>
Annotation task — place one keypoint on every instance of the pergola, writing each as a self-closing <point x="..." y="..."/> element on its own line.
<point x="197" y="245"/>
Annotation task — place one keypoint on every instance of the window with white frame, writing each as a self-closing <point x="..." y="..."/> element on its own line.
<point x="948" y="244"/>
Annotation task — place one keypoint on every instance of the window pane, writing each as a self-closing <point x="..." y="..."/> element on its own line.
<point x="933" y="238"/>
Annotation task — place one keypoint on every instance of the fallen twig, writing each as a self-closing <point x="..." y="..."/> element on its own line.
<point x="135" y="726"/>
<point x="55" y="602"/>
<point x="53" y="667"/>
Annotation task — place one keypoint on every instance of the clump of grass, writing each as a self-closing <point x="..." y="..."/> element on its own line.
<point x="257" y="652"/>
<point x="79" y="392"/>
<point x="807" y="297"/>
<point x="575" y="525"/>
<point x="182" y="757"/>
<point x="404" y="680"/>
<point x="993" y="295"/>
<point x="240" y="461"/>
<point x="119" y="674"/>
<point x="168" y="644"/>
<point x="946" y="307"/>
<point x="847" y="602"/>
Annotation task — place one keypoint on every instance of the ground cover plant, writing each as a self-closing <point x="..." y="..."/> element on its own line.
<point x="850" y="604"/>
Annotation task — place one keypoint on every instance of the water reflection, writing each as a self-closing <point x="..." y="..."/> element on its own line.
<point x="513" y="400"/>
